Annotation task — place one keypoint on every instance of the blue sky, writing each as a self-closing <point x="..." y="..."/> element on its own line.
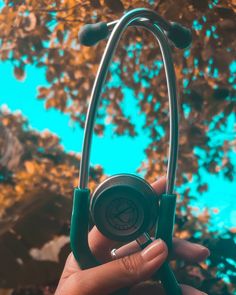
<point x="115" y="154"/>
<point x="19" y="95"/>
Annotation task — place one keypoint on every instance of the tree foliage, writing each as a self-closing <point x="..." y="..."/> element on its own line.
<point x="45" y="34"/>
<point x="36" y="183"/>
<point x="37" y="178"/>
<point x="31" y="161"/>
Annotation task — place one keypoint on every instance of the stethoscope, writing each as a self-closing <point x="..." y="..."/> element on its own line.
<point x="125" y="207"/>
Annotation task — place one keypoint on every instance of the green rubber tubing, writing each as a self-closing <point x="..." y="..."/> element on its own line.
<point x="164" y="230"/>
<point x="79" y="229"/>
<point x="168" y="280"/>
<point x="79" y="233"/>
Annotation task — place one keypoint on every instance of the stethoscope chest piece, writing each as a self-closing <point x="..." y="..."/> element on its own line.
<point x="123" y="207"/>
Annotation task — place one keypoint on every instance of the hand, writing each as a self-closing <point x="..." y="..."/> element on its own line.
<point x="131" y="268"/>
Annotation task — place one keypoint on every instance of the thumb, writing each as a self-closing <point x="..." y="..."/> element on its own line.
<point x="123" y="272"/>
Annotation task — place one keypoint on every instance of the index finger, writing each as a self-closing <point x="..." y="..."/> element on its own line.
<point x="100" y="245"/>
<point x="182" y="249"/>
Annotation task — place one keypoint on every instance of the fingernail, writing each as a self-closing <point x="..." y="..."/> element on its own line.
<point x="155" y="249"/>
<point x="205" y="250"/>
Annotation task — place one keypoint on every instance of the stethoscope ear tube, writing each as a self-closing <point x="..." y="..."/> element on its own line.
<point x="166" y="220"/>
<point x="79" y="232"/>
<point x="168" y="280"/>
<point x="164" y="230"/>
<point x="79" y="229"/>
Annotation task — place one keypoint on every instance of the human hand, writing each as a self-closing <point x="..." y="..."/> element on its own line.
<point x="131" y="268"/>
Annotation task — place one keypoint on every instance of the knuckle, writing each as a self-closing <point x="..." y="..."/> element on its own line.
<point x="132" y="265"/>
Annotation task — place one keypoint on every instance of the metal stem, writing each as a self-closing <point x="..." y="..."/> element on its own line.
<point x="132" y="19"/>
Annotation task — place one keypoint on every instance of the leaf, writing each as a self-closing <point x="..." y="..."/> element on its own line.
<point x="19" y="73"/>
<point x="220" y="93"/>
<point x="60" y="36"/>
<point x="30" y="167"/>
<point x="30" y="22"/>
<point x="43" y="92"/>
<point x="95" y="3"/>
<point x="115" y="5"/>
<point x="202" y="5"/>
<point x="50" y="74"/>
<point x="225" y="12"/>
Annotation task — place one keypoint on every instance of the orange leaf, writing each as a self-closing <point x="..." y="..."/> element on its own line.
<point x="19" y="73"/>
<point x="29" y="167"/>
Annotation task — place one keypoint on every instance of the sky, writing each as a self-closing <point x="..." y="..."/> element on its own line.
<point x="18" y="95"/>
<point x="115" y="154"/>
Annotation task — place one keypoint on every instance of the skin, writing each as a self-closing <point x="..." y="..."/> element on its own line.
<point x="132" y="267"/>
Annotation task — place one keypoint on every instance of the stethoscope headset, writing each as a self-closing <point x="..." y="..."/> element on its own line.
<point x="125" y="207"/>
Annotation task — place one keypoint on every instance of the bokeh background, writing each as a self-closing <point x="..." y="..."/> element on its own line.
<point x="46" y="78"/>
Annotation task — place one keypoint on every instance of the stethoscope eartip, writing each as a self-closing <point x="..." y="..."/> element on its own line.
<point x="91" y="34"/>
<point x="180" y="36"/>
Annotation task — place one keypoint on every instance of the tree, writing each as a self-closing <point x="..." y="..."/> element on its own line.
<point x="36" y="182"/>
<point x="37" y="178"/>
<point x="45" y="34"/>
